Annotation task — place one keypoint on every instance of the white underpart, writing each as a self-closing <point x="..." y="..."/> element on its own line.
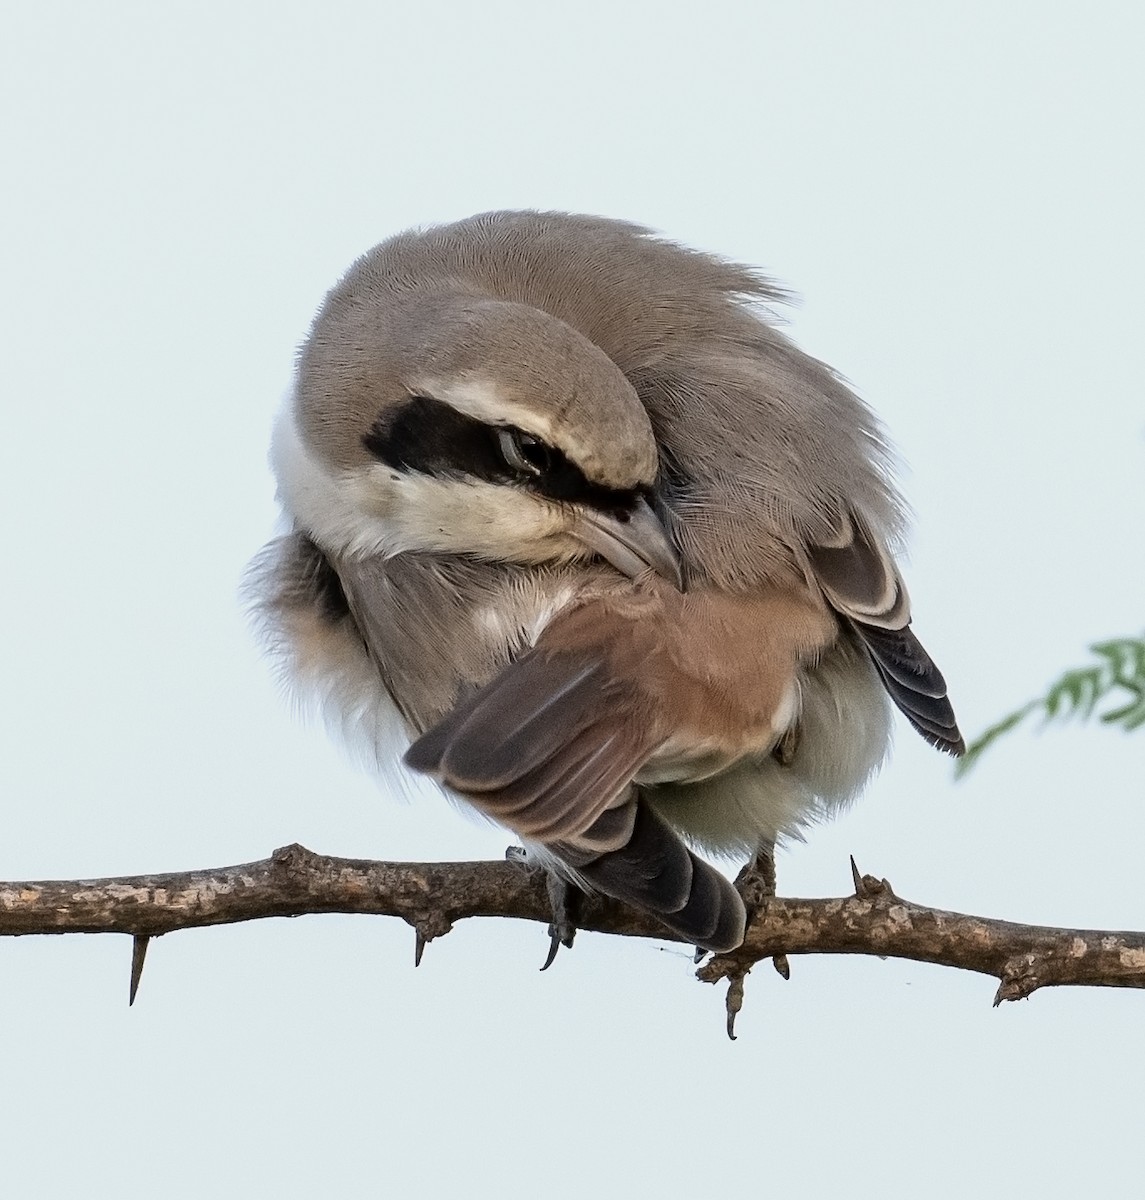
<point x="522" y="625"/>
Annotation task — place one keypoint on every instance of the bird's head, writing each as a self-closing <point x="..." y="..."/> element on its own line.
<point x="459" y="424"/>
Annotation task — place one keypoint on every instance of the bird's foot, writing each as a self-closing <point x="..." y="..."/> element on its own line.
<point x="564" y="902"/>
<point x="756" y="884"/>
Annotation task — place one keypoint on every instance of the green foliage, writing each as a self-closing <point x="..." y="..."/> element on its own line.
<point x="1118" y="674"/>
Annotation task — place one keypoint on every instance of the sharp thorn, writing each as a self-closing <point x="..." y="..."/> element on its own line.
<point x="418" y="947"/>
<point x="698" y="955"/>
<point x="780" y="963"/>
<point x="138" y="955"/>
<point x="857" y="878"/>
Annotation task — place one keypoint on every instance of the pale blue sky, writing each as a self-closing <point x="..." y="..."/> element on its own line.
<point x="956" y="191"/>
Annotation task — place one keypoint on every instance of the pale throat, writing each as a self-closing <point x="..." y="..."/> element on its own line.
<point x="376" y="510"/>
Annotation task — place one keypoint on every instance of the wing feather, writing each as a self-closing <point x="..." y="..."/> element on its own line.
<point x="860" y="580"/>
<point x="537" y="748"/>
<point x="549" y="748"/>
<point x="654" y="870"/>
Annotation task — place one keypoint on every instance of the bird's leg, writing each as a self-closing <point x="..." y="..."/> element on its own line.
<point x="756" y="884"/>
<point x="564" y="902"/>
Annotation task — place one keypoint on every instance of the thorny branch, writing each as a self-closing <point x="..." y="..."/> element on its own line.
<point x="432" y="896"/>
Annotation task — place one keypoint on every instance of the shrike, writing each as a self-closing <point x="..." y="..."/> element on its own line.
<point x="615" y="551"/>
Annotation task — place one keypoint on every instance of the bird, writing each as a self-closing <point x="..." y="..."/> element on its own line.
<point x="575" y="529"/>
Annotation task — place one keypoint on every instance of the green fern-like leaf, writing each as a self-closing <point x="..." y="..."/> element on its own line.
<point x="1119" y="674"/>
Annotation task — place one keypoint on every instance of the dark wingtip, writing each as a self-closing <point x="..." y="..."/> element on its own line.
<point x="656" y="872"/>
<point x="956" y="748"/>
<point x="932" y="719"/>
<point x="714" y="916"/>
<point x="426" y="753"/>
<point x="914" y="683"/>
<point x="949" y="743"/>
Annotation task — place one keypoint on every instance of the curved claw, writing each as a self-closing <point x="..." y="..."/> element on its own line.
<point x="733" y="1002"/>
<point x="562" y="901"/>
<point x="756" y="883"/>
<point x="563" y="897"/>
<point x="554" y="945"/>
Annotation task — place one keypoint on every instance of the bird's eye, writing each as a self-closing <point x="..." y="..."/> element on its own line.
<point x="526" y="454"/>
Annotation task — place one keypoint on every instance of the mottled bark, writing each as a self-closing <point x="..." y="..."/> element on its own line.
<point x="432" y="896"/>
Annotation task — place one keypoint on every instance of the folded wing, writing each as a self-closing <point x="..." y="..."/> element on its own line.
<point x="549" y="748"/>
<point x="862" y="583"/>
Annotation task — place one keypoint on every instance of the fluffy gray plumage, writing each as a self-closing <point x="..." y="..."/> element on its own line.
<point x="497" y="426"/>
